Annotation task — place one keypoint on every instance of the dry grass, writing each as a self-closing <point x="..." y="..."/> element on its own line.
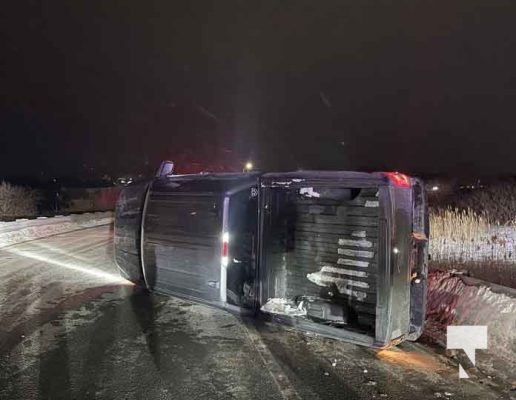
<point x="496" y="200"/>
<point x="17" y="201"/>
<point x="90" y="199"/>
<point x="458" y="225"/>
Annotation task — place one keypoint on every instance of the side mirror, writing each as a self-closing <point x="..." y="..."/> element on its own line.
<point x="166" y="168"/>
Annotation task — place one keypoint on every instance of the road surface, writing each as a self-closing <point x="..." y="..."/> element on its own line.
<point x="71" y="328"/>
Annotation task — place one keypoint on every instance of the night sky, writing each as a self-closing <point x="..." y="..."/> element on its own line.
<point x="418" y="86"/>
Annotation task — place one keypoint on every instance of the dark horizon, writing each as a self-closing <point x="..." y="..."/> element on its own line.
<point x="411" y="86"/>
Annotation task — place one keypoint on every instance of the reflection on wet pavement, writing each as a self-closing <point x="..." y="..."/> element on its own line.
<point x="71" y="328"/>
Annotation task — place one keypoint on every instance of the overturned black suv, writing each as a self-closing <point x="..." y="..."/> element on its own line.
<point x="342" y="254"/>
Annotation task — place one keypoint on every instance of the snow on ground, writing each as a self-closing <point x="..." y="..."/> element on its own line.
<point x="72" y="328"/>
<point x="20" y="231"/>
<point x="459" y="300"/>
<point x="497" y="243"/>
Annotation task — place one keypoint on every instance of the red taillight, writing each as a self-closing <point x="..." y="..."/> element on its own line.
<point x="225" y="249"/>
<point x="397" y="179"/>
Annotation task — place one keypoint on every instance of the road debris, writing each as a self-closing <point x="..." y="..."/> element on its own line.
<point x="284" y="307"/>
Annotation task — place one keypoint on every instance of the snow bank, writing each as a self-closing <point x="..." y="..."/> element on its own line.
<point x="496" y="243"/>
<point x="460" y="300"/>
<point x="24" y="230"/>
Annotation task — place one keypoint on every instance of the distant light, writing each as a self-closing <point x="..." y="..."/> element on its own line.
<point x="435" y="188"/>
<point x="248" y="166"/>
<point x="395" y="250"/>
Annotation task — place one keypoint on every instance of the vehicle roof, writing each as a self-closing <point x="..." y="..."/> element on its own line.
<point x="359" y="178"/>
<point x="221" y="181"/>
<point x="212" y="175"/>
<point x="324" y="174"/>
<point x="204" y="183"/>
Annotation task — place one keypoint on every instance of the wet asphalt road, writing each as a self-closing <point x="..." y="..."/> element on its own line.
<point x="72" y="329"/>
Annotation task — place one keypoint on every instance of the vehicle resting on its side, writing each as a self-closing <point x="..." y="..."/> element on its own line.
<point x="342" y="254"/>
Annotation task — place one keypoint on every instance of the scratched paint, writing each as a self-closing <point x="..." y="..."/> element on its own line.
<point x="352" y="263"/>
<point x="343" y="271"/>
<point x="355" y="243"/>
<point x="360" y="234"/>
<point x="356" y="253"/>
